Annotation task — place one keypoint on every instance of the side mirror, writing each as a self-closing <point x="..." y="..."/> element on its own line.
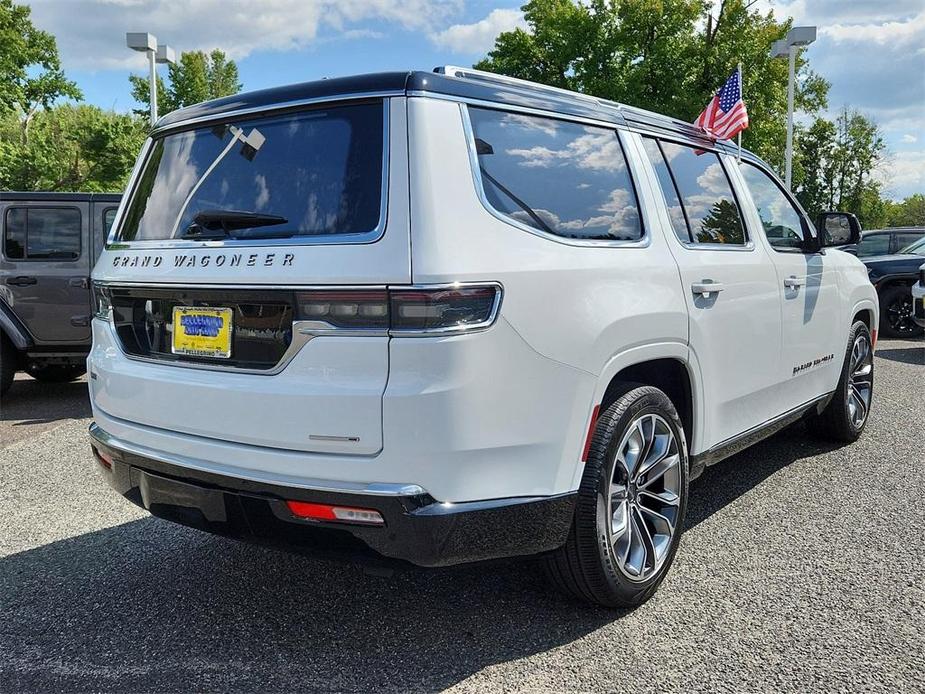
<point x="838" y="229"/>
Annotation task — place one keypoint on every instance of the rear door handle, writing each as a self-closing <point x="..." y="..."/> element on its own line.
<point x="794" y="282"/>
<point x="22" y="281"/>
<point x="79" y="282"/>
<point x="706" y="287"/>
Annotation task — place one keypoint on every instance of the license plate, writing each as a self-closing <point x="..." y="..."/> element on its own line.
<point x="202" y="332"/>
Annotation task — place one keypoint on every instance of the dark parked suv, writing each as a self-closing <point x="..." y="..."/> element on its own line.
<point x="50" y="243"/>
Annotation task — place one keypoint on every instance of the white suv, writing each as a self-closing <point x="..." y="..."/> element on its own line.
<point x="447" y="317"/>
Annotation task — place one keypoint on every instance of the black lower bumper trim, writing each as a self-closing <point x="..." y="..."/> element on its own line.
<point x="417" y="529"/>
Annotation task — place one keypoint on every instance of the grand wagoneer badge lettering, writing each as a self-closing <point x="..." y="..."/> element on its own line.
<point x="206" y="260"/>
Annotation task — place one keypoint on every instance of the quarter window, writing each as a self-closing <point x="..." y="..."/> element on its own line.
<point x="782" y="222"/>
<point x="42" y="233"/>
<point x="558" y="177"/>
<point x="709" y="205"/>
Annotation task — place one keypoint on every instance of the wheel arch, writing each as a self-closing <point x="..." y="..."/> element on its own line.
<point x="666" y="366"/>
<point x="13" y="329"/>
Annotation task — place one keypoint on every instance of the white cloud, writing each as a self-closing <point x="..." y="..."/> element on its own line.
<point x="479" y="37"/>
<point x="909" y="138"/>
<point x="903" y="174"/>
<point x="896" y="33"/>
<point x="90" y="33"/>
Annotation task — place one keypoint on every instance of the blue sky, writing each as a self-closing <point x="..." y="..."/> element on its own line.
<point x="872" y="51"/>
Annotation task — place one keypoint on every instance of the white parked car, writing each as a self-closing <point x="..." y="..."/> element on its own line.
<point x="447" y="317"/>
<point x="918" y="298"/>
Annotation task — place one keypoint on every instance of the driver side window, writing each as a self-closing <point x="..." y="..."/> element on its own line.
<point x="782" y="222"/>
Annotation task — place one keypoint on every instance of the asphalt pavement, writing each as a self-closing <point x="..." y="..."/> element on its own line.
<point x="800" y="569"/>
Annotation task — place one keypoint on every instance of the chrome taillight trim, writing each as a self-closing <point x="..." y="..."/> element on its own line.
<point x="303" y="331"/>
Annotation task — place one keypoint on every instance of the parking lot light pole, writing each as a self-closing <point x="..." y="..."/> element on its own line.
<point x="787" y="48"/>
<point x="147" y="43"/>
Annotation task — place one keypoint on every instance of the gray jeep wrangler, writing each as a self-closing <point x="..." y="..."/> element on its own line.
<point x="50" y="243"/>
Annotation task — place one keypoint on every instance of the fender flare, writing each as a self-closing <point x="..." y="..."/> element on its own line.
<point x="677" y="350"/>
<point x="13" y="329"/>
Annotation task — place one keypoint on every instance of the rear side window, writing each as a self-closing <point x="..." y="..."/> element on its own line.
<point x="42" y="233"/>
<point x="305" y="174"/>
<point x="874" y="244"/>
<point x="675" y="209"/>
<point x="709" y="205"/>
<point x="561" y="178"/>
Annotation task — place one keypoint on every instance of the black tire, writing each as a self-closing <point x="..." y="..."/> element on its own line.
<point x="55" y="373"/>
<point x="8" y="362"/>
<point x="588" y="567"/>
<point x="837" y="422"/>
<point x="896" y="309"/>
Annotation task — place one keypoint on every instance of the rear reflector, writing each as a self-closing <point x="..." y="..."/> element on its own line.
<point x="336" y="514"/>
<point x="873" y="339"/>
<point x="103" y="459"/>
<point x="587" y="449"/>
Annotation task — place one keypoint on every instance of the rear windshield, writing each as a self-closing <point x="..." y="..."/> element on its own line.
<point x="305" y="174"/>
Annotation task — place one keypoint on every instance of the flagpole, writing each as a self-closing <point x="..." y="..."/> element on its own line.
<point x="741" y="96"/>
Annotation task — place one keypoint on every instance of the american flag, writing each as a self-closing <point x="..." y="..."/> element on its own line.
<point x="725" y="116"/>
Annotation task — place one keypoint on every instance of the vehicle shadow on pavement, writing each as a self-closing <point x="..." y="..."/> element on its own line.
<point x="723" y="483"/>
<point x="151" y="606"/>
<point x="30" y="402"/>
<point x="906" y="355"/>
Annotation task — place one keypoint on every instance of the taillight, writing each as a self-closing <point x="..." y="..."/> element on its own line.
<point x="102" y="306"/>
<point x="448" y="309"/>
<point x="365" y="309"/>
<point x="400" y="311"/>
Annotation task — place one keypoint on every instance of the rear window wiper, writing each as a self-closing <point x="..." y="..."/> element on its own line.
<point x="216" y="224"/>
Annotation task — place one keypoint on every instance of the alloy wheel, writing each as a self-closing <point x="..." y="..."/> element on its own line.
<point x="644" y="497"/>
<point x="899" y="314"/>
<point x="860" y="381"/>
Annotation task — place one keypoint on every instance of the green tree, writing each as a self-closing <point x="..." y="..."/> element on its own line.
<point x="835" y="165"/>
<point x="70" y="147"/>
<point x="196" y="77"/>
<point x="908" y="213"/>
<point x="30" y="69"/>
<point x="669" y="56"/>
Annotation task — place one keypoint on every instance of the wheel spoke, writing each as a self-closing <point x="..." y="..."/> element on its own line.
<point x="618" y="513"/>
<point x="666" y="497"/>
<point x="657" y="471"/>
<point x="638" y="549"/>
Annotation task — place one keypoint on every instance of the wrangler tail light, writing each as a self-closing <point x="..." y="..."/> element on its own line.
<point x="402" y="311"/>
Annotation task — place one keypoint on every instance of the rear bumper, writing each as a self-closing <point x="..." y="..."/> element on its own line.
<point x="418" y="529"/>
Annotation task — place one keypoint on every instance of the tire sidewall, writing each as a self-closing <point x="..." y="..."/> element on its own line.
<point x="652" y="401"/>
<point x="857" y="329"/>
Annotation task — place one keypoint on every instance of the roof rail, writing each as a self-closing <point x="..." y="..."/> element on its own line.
<point x="466" y="72"/>
<point x="632" y="112"/>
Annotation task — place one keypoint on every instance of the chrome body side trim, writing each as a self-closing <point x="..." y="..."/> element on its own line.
<point x="740" y="442"/>
<point x="103" y="437"/>
<point x="364" y="237"/>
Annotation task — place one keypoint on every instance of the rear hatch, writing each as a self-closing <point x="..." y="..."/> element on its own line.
<point x="244" y="279"/>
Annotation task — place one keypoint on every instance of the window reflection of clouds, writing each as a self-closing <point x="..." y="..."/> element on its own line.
<point x="706" y="194"/>
<point x="573" y="176"/>
<point x="780" y="219"/>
